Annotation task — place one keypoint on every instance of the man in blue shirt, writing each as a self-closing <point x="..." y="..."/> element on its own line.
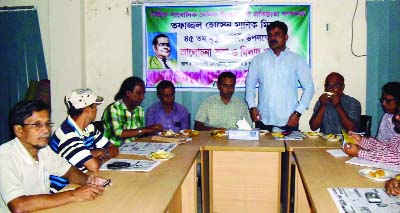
<point x="167" y="112"/>
<point x="335" y="110"/>
<point x="278" y="72"/>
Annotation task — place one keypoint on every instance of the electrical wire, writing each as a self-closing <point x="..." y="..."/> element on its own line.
<point x="352" y="33"/>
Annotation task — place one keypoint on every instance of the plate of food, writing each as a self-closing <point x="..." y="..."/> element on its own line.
<point x="331" y="137"/>
<point x="189" y="132"/>
<point x="263" y="132"/>
<point x="160" y="155"/>
<point x="277" y="135"/>
<point x="313" y="134"/>
<point x="377" y="174"/>
<point x="169" y="133"/>
<point x="219" y="133"/>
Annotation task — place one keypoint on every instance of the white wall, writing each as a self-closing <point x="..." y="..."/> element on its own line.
<point x="90" y="46"/>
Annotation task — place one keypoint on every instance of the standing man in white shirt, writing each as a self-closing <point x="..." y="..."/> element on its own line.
<point x="278" y="72"/>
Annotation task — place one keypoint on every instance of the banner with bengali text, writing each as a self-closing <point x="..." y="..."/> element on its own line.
<point x="205" y="40"/>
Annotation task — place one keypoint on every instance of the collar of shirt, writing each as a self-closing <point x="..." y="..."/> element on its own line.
<point x="161" y="108"/>
<point x="283" y="52"/>
<point x="76" y="127"/>
<point x="26" y="156"/>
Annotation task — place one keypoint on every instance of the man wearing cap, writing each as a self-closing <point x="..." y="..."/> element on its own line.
<point x="77" y="140"/>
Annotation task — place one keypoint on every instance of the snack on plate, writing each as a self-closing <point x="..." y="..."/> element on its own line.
<point x="313" y="134"/>
<point x="169" y="133"/>
<point x="189" y="132"/>
<point x="218" y="133"/>
<point x="332" y="137"/>
<point x="377" y="173"/>
<point x="277" y="134"/>
<point x="161" y="155"/>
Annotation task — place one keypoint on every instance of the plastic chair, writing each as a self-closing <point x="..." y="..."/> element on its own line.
<point x="365" y="124"/>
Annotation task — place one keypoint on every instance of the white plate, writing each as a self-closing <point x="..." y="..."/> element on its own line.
<point x="313" y="134"/>
<point x="336" y="138"/>
<point x="263" y="132"/>
<point x="160" y="159"/>
<point x="388" y="174"/>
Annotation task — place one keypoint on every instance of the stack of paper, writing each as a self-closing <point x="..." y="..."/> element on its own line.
<point x="336" y="153"/>
<point x="362" y="162"/>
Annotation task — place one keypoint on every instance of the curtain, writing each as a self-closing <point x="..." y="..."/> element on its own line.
<point x="383" y="45"/>
<point x="21" y="59"/>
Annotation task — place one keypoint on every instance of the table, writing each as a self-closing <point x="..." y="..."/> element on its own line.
<point x="290" y="166"/>
<point x="318" y="171"/>
<point x="241" y="176"/>
<point x="169" y="187"/>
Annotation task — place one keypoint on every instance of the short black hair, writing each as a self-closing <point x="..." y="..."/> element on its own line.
<point x="393" y="89"/>
<point x="155" y="39"/>
<point x="128" y="85"/>
<point x="163" y="85"/>
<point x="24" y="109"/>
<point x="226" y="75"/>
<point x="278" y="24"/>
<point x="337" y="74"/>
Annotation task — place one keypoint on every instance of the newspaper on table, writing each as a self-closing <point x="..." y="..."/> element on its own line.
<point x="354" y="200"/>
<point x="145" y="148"/>
<point x="135" y="165"/>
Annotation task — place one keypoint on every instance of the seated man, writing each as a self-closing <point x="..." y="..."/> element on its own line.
<point x="386" y="151"/>
<point x="167" y="112"/>
<point x="223" y="110"/>
<point x="334" y="110"/>
<point x="77" y="140"/>
<point x="124" y="119"/>
<point x="389" y="99"/>
<point x="26" y="164"/>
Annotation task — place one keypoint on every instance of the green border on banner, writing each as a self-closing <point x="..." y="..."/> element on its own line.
<point x="206" y="40"/>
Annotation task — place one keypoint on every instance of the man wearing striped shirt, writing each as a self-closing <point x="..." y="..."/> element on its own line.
<point x="77" y="140"/>
<point x="385" y="151"/>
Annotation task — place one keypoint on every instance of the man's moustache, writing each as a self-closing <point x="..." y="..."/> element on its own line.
<point x="273" y="42"/>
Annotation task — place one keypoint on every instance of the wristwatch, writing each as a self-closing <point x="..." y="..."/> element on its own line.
<point x="297" y="113"/>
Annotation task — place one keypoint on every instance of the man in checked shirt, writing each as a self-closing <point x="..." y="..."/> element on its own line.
<point x="385" y="151"/>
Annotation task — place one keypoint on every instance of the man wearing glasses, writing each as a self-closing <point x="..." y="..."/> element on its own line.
<point x="167" y="112"/>
<point x="27" y="164"/>
<point x="162" y="50"/>
<point x="77" y="140"/>
<point x="334" y="110"/>
<point x="385" y="151"/>
<point x="390" y="99"/>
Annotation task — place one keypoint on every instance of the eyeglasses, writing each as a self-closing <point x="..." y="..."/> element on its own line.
<point x="386" y="100"/>
<point x="333" y="86"/>
<point x="39" y="125"/>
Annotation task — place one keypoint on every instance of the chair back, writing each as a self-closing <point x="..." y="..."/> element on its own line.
<point x="365" y="124"/>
